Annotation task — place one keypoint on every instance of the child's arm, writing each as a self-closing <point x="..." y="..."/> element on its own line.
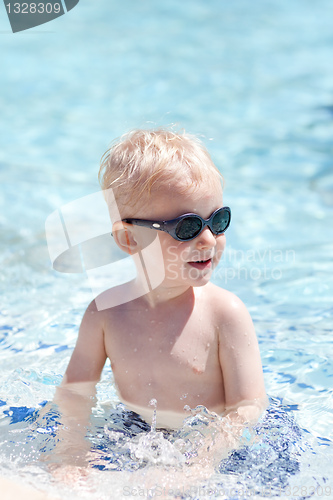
<point x="89" y="356"/>
<point x="244" y="390"/>
<point x="240" y="358"/>
<point x="76" y="394"/>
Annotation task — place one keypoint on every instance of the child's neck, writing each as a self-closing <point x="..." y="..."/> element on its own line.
<point x="163" y="295"/>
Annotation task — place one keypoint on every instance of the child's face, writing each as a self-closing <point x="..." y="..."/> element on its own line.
<point x="182" y="258"/>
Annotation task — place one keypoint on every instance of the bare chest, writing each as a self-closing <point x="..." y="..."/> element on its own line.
<point x="164" y="350"/>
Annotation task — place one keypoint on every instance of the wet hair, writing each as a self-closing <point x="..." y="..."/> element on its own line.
<point x="146" y="161"/>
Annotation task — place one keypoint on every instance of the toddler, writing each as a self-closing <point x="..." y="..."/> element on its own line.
<point x="170" y="334"/>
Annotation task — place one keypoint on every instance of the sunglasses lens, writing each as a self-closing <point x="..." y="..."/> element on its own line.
<point x="188" y="228"/>
<point x="221" y="221"/>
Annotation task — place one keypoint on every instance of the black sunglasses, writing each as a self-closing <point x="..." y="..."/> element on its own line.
<point x="188" y="226"/>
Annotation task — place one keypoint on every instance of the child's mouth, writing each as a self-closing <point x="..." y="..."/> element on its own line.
<point x="201" y="264"/>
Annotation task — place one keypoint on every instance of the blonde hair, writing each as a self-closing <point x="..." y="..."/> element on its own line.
<point x="143" y="160"/>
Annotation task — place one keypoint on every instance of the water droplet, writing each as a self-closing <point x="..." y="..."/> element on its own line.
<point x="135" y="349"/>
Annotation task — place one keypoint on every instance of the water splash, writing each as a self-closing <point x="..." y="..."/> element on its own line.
<point x="153" y="447"/>
<point x="153" y="403"/>
<point x="268" y="456"/>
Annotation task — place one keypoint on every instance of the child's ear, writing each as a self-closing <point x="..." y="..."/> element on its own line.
<point x="124" y="236"/>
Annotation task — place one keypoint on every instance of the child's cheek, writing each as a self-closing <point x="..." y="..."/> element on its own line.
<point x="221" y="242"/>
<point x="175" y="251"/>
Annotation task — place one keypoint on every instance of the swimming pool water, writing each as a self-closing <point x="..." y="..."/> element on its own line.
<point x="255" y="81"/>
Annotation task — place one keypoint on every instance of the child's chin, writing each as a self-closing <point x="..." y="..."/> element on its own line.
<point x="192" y="276"/>
<point x="200" y="280"/>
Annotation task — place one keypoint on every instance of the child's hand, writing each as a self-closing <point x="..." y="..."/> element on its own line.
<point x="71" y="475"/>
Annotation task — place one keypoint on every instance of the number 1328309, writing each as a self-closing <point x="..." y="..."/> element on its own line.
<point x="33" y="8"/>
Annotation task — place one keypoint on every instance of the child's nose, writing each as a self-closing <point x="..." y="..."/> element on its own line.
<point x="206" y="239"/>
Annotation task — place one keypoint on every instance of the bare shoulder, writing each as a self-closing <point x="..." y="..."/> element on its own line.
<point x="93" y="317"/>
<point x="225" y="304"/>
<point x="230" y="315"/>
<point x="115" y="296"/>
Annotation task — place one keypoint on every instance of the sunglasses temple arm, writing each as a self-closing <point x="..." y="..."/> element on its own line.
<point x="150" y="224"/>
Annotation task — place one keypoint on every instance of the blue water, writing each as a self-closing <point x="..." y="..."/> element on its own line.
<point x="255" y="81"/>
